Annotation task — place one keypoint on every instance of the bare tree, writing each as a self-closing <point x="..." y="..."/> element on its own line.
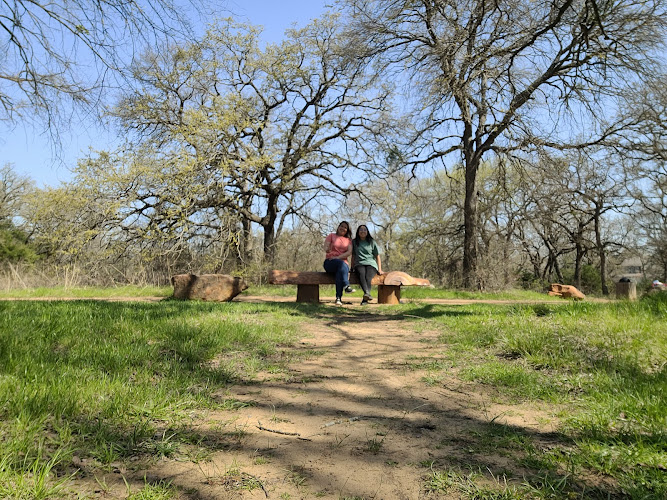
<point x="66" y="52"/>
<point x="494" y="77"/>
<point x="13" y="188"/>
<point x="259" y="133"/>
<point x="650" y="215"/>
<point x="643" y="150"/>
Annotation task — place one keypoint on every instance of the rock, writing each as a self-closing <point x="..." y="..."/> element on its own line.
<point x="210" y="287"/>
<point x="566" y="291"/>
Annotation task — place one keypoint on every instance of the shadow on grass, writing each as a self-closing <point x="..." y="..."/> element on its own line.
<point x="175" y="364"/>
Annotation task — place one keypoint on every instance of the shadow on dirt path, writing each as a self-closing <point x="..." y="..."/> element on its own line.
<point x="354" y="419"/>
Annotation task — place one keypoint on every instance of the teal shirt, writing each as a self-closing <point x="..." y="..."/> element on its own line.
<point x="365" y="253"/>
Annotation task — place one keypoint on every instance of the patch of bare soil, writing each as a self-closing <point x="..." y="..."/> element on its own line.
<point x="355" y="420"/>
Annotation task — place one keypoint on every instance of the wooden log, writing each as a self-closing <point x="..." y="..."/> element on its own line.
<point x="213" y="287"/>
<point x="389" y="294"/>
<point x="398" y="278"/>
<point x="566" y="291"/>
<point x="308" y="293"/>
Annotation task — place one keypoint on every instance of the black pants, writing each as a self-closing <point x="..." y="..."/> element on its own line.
<point x="366" y="274"/>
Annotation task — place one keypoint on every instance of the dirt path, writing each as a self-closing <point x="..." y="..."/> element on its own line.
<point x="324" y="300"/>
<point x="355" y="421"/>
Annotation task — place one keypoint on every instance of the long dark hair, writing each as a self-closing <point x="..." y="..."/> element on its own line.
<point x="358" y="240"/>
<point x="349" y="231"/>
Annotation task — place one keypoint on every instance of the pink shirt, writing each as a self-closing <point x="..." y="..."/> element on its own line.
<point x="338" y="245"/>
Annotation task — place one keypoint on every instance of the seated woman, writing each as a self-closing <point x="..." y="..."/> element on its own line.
<point x="365" y="260"/>
<point x="338" y="247"/>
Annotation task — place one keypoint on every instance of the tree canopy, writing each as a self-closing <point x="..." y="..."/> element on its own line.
<point x="59" y="56"/>
<point x="504" y="76"/>
<point x="224" y="128"/>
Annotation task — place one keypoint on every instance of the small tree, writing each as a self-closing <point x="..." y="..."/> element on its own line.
<point x="14" y="241"/>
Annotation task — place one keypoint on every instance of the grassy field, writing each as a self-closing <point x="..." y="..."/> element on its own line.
<point x="112" y="381"/>
<point x="88" y="292"/>
<point x="604" y="364"/>
<point x="267" y="290"/>
<point x="409" y="293"/>
<point x="115" y="383"/>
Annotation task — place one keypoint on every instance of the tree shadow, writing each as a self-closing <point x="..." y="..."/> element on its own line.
<point x="451" y="438"/>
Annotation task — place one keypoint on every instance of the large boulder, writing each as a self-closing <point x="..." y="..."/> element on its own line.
<point x="211" y="287"/>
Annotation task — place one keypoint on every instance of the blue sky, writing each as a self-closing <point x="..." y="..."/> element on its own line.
<point x="32" y="155"/>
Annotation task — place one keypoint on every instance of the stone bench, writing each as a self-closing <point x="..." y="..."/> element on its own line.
<point x="308" y="284"/>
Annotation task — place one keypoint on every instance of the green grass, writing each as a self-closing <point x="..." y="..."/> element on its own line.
<point x="268" y="290"/>
<point x="88" y="292"/>
<point x="409" y="293"/>
<point x="158" y="491"/>
<point x="112" y="382"/>
<point x="605" y="365"/>
<point x="120" y="382"/>
<point x="417" y="292"/>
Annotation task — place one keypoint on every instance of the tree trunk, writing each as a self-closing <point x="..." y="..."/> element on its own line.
<point x="269" y="225"/>
<point x="601" y="252"/>
<point x="269" y="244"/>
<point x="559" y="274"/>
<point x="579" y="256"/>
<point x="470" y="226"/>
<point x="245" y="243"/>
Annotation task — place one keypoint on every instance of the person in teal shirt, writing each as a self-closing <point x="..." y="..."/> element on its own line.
<point x="365" y="260"/>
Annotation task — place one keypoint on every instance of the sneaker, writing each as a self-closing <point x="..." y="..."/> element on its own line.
<point x="364" y="302"/>
<point x="349" y="289"/>
<point x="338" y="302"/>
<point x="367" y="297"/>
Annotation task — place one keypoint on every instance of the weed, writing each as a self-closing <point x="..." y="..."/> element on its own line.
<point x="276" y="419"/>
<point x="374" y="445"/>
<point x="234" y="404"/>
<point x="32" y="478"/>
<point x="296" y="475"/>
<point x="338" y="441"/>
<point x="159" y="491"/>
<point x="442" y="481"/>
<point x="233" y="479"/>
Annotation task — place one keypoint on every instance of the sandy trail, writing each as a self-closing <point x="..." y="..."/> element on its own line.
<point x="356" y="421"/>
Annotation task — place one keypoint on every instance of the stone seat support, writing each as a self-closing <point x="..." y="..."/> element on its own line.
<point x="308" y="284"/>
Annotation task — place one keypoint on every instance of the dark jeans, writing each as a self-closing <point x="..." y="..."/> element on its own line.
<point x="341" y="270"/>
<point x="366" y="274"/>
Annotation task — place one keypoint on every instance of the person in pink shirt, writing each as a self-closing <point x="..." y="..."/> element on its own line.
<point x="338" y="247"/>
